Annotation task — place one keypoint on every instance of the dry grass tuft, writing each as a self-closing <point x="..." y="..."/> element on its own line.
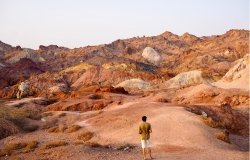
<point x="30" y="127"/>
<point x="52" y="129"/>
<point x="13" y="119"/>
<point x="95" y="145"/>
<point x="86" y="136"/>
<point x="50" y="123"/>
<point x="7" y="128"/>
<point x="224" y="136"/>
<point x="79" y="143"/>
<point x="47" y="114"/>
<point x="162" y="100"/>
<point x="56" y="129"/>
<point x="95" y="96"/>
<point x="54" y="144"/>
<point x="26" y="146"/>
<point x="125" y="147"/>
<point x="11" y="147"/>
<point x="211" y="123"/>
<point x="73" y="128"/>
<point x="31" y="146"/>
<point x="61" y="115"/>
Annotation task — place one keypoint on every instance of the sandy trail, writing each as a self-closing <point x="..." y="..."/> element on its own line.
<point x="177" y="135"/>
<point x="176" y="132"/>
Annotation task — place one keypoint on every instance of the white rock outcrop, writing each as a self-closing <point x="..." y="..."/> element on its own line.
<point x="59" y="88"/>
<point x="185" y="79"/>
<point x="26" y="53"/>
<point x="238" y="76"/>
<point x="134" y="83"/>
<point x="151" y="56"/>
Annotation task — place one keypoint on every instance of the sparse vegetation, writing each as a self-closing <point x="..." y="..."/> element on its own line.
<point x="30" y="127"/>
<point x="7" y="128"/>
<point x="224" y="136"/>
<point x="54" y="144"/>
<point x="125" y="147"/>
<point x="61" y="115"/>
<point x="95" y="96"/>
<point x="13" y="119"/>
<point x="47" y="114"/>
<point x="56" y="129"/>
<point x="26" y="146"/>
<point x="64" y="128"/>
<point x="73" y="128"/>
<point x="86" y="136"/>
<point x="31" y="146"/>
<point x="10" y="112"/>
<point x="212" y="123"/>
<point x="79" y="143"/>
<point x="224" y="117"/>
<point x="11" y="147"/>
<point x="50" y="123"/>
<point x="95" y="145"/>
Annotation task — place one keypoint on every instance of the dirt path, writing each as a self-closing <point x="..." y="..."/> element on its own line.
<point x="177" y="135"/>
<point x="176" y="132"/>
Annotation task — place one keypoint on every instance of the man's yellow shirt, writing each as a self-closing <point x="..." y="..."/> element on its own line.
<point x="144" y="130"/>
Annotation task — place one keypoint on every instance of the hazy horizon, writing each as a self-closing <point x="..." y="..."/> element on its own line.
<point x="76" y="23"/>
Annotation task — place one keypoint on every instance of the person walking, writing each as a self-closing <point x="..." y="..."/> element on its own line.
<point x="145" y="130"/>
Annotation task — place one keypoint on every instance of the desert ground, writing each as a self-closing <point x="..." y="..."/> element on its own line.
<point x="86" y="103"/>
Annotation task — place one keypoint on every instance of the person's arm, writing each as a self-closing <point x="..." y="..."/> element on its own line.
<point x="150" y="129"/>
<point x="140" y="131"/>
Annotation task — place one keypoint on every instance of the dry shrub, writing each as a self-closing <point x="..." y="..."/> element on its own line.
<point x="31" y="146"/>
<point x="61" y="115"/>
<point x="52" y="129"/>
<point x="224" y="136"/>
<point x="162" y="100"/>
<point x="54" y="144"/>
<point x="95" y="145"/>
<point x="95" y="96"/>
<point x="211" y="123"/>
<point x="47" y="114"/>
<point x="31" y="112"/>
<point x="56" y="129"/>
<point x="11" y="147"/>
<point x="235" y="121"/>
<point x="50" y="123"/>
<point x="7" y="128"/>
<point x="12" y="119"/>
<point x="62" y="128"/>
<point x="125" y="147"/>
<point x="79" y="143"/>
<point x="30" y="127"/>
<point x="73" y="128"/>
<point x="86" y="136"/>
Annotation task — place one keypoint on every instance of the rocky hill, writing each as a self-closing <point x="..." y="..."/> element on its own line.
<point x="154" y="59"/>
<point x="80" y="99"/>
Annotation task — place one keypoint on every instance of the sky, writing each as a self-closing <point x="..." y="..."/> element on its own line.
<point x="78" y="23"/>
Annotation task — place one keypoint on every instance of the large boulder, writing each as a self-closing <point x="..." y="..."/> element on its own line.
<point x="134" y="84"/>
<point x="151" y="56"/>
<point x="59" y="88"/>
<point x="185" y="79"/>
<point x="237" y="76"/>
<point x="25" y="53"/>
<point x="23" y="89"/>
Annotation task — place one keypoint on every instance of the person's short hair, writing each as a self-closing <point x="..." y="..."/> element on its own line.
<point x="144" y="118"/>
